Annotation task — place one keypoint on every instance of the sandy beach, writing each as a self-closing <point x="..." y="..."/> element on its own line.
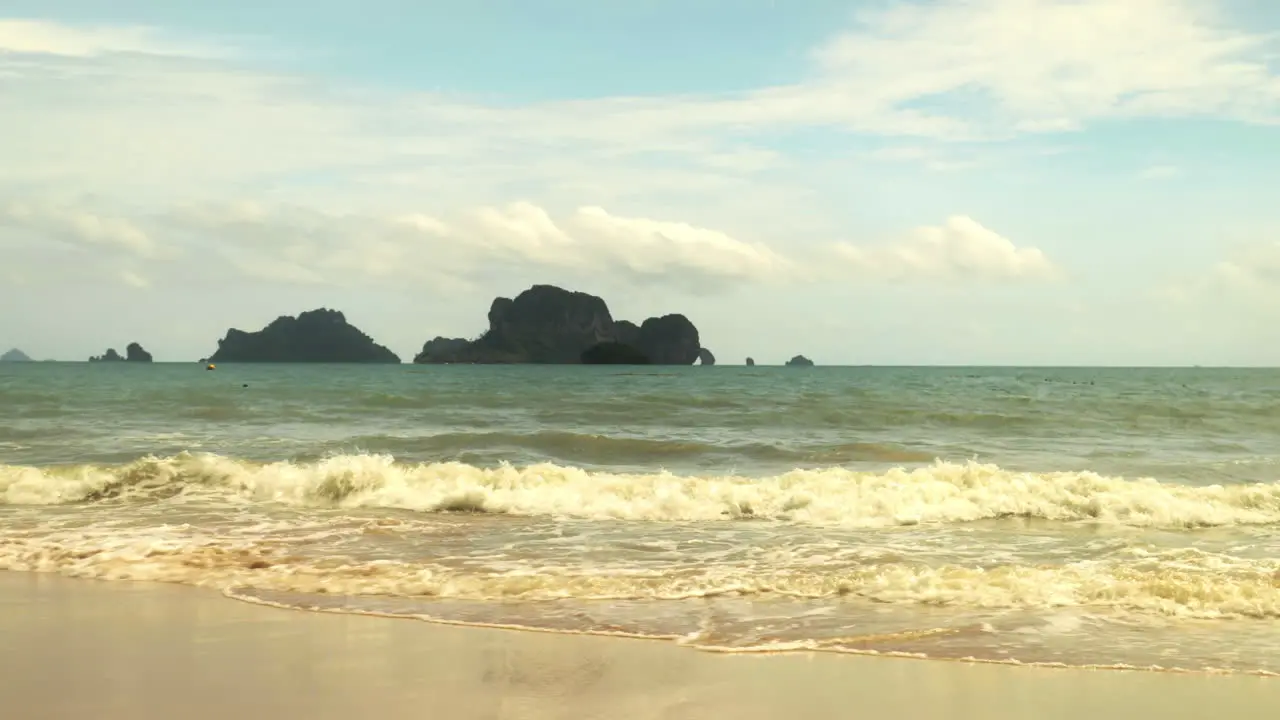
<point x="84" y="649"/>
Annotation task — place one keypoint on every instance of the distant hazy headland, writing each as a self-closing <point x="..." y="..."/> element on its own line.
<point x="545" y="325"/>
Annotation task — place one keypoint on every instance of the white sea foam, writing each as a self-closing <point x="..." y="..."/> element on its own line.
<point x="1175" y="583"/>
<point x="940" y="493"/>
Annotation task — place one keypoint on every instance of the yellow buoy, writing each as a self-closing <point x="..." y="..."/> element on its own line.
<point x="210" y="366"/>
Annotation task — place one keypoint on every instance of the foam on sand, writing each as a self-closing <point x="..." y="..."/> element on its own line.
<point x="176" y="652"/>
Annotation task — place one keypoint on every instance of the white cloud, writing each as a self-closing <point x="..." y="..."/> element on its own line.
<point x="933" y="160"/>
<point x="48" y="38"/>
<point x="652" y="248"/>
<point x="1052" y="65"/>
<point x="134" y="280"/>
<point x="657" y="251"/>
<point x="298" y="245"/>
<point x="293" y="244"/>
<point x="522" y="231"/>
<point x="77" y="226"/>
<point x="1242" y="288"/>
<point x="127" y="108"/>
<point x="959" y="249"/>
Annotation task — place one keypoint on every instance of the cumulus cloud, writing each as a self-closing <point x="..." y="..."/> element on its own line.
<point x="294" y="244"/>
<point x="77" y="226"/>
<point x="652" y="250"/>
<point x="959" y="249"/>
<point x="299" y="245"/>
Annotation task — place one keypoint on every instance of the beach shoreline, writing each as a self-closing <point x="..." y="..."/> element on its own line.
<point x="113" y="650"/>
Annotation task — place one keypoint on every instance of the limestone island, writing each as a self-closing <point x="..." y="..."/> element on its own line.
<point x="15" y="355"/>
<point x="550" y="325"/>
<point x="751" y="362"/>
<point x="315" y="336"/>
<point x="133" y="353"/>
<point x="799" y="361"/>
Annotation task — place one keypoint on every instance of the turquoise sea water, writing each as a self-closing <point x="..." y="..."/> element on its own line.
<point x="1078" y="516"/>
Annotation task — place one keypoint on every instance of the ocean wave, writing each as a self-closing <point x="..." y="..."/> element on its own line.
<point x="1175" y="583"/>
<point x="618" y="449"/>
<point x="940" y="493"/>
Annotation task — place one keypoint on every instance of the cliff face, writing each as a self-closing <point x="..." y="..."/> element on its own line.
<point x="614" y="353"/>
<point x="669" y="340"/>
<point x="626" y="332"/>
<point x="705" y="357"/>
<point x="315" y="336"/>
<point x="550" y="325"/>
<point x="546" y="324"/>
<point x="135" y="353"/>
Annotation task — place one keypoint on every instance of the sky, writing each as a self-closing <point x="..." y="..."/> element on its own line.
<point x="904" y="182"/>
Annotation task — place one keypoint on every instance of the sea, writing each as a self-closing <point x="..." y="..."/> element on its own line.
<point x="1107" y="518"/>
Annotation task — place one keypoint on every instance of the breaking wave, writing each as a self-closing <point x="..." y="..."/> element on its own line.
<point x="940" y="493"/>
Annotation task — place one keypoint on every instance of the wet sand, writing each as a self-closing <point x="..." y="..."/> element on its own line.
<point x="72" y="649"/>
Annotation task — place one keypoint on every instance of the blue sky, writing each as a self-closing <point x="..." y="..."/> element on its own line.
<point x="899" y="182"/>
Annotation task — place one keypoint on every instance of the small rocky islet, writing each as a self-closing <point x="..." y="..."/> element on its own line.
<point x="133" y="352"/>
<point x="15" y="355"/>
<point x="315" y="336"/>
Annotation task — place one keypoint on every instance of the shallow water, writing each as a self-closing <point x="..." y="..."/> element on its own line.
<point x="1086" y="517"/>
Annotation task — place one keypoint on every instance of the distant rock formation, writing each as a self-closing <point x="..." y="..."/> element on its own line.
<point x="751" y="362"/>
<point x="440" y="347"/>
<point x="15" y="355"/>
<point x="614" y="353"/>
<point x="133" y="353"/>
<point x="669" y="340"/>
<point x="315" y="336"/>
<point x="626" y="331"/>
<point x="800" y="361"/>
<point x="705" y="357"/>
<point x="550" y="325"/>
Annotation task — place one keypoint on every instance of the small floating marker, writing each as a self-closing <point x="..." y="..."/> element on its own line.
<point x="210" y="366"/>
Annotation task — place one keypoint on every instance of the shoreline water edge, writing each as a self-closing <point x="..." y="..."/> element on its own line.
<point x="170" y="650"/>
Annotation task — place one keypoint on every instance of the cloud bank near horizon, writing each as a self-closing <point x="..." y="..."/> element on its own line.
<point x="290" y="244"/>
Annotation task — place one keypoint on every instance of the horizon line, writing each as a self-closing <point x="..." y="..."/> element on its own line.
<point x="907" y="366"/>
